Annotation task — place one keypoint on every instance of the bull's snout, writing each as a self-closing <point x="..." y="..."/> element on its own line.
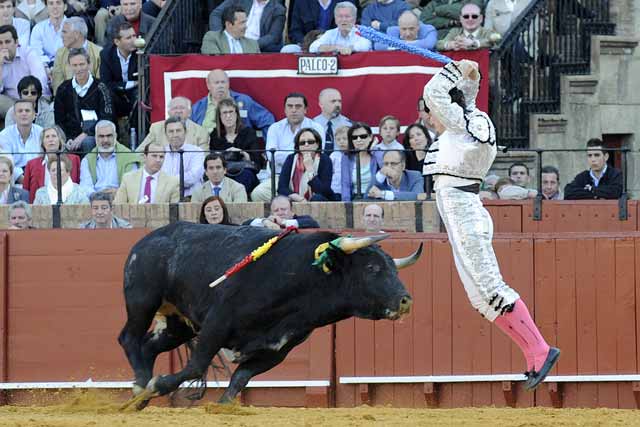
<point x="405" y="305"/>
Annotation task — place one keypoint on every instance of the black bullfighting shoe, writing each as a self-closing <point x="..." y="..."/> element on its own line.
<point x="535" y="378"/>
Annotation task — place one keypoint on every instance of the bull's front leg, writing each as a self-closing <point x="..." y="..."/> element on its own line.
<point x="258" y="364"/>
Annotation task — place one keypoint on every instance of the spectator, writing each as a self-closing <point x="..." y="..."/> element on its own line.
<point x="360" y="139"/>
<point x="417" y="140"/>
<point x="204" y="111"/>
<point x="389" y="130"/>
<point x="306" y="173"/>
<point x="500" y="14"/>
<point x="508" y="189"/>
<point x="153" y="7"/>
<point x="72" y="193"/>
<point x="108" y="9"/>
<point x="471" y="35"/>
<point x="551" y="183"/>
<point x="81" y="102"/>
<point x="342" y="39"/>
<point x="149" y="184"/>
<point x="411" y="31"/>
<point x="17" y="62"/>
<point x="178" y="151"/>
<point x="383" y="14"/>
<point x="119" y="69"/>
<point x="178" y="107"/>
<point x="214" y="211"/>
<point x="282" y="216"/>
<point x="215" y="167"/>
<point x="311" y="15"/>
<point x="393" y="181"/>
<point x="232" y="39"/>
<point x="9" y="193"/>
<point x="341" y="147"/>
<point x="102" y="213"/>
<point x="20" y="216"/>
<point x="22" y="26"/>
<point x="373" y="218"/>
<point x="330" y="116"/>
<point x="520" y="174"/>
<point x="280" y="138"/>
<point x="22" y="140"/>
<point x="30" y="89"/>
<point x="102" y="169"/>
<point x="36" y="172"/>
<point x="74" y="36"/>
<point x="46" y="36"/>
<point x="265" y="21"/>
<point x="598" y="182"/>
<point x="444" y="14"/>
<point x="239" y="145"/>
<point x="131" y="11"/>
<point x="33" y="11"/>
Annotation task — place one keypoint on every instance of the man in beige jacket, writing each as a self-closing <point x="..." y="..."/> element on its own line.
<point x="149" y="184"/>
<point x="218" y="184"/>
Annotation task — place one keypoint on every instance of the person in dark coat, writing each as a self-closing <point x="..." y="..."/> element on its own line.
<point x="600" y="181"/>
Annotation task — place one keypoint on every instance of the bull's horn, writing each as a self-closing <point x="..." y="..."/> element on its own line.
<point x="352" y="244"/>
<point x="410" y="260"/>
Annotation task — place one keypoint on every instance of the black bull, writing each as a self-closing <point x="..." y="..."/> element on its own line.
<point x="260" y="313"/>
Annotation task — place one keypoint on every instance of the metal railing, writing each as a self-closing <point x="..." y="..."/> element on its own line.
<point x="551" y="38"/>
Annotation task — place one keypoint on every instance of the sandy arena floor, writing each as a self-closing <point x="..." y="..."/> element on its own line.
<point x="87" y="409"/>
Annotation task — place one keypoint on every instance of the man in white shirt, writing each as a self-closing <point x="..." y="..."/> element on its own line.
<point x="46" y="37"/>
<point x="192" y="156"/>
<point x="342" y="39"/>
<point x="330" y="101"/>
<point x="22" y="140"/>
<point x="7" y="17"/>
<point x="280" y="138"/>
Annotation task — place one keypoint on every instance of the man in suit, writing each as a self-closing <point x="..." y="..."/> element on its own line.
<point x="444" y="14"/>
<point x="230" y="191"/>
<point x="74" y="36"/>
<point x="117" y="61"/>
<point x="471" y="35"/>
<point x="265" y="21"/>
<point x="232" y="38"/>
<point x="308" y="15"/>
<point x="179" y="106"/>
<point x="131" y="12"/>
<point x="149" y="184"/>
<point x="282" y="216"/>
<point x="393" y="181"/>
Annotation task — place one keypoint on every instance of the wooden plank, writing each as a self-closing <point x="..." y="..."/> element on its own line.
<point x="506" y="218"/>
<point x="4" y="306"/>
<point x="442" y="322"/>
<point x="586" y="320"/>
<point x="422" y="314"/>
<point x="607" y="336"/>
<point x="463" y="351"/>
<point x="544" y="305"/>
<point x="625" y="311"/>
<point x="566" y="306"/>
<point x="345" y="357"/>
<point x="403" y="330"/>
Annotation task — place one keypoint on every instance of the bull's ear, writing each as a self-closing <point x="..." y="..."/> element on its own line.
<point x="410" y="260"/>
<point x="349" y="245"/>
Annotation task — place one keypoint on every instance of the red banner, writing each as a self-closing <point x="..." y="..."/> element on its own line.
<point x="372" y="84"/>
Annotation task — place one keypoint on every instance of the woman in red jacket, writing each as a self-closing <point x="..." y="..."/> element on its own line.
<point x="36" y="174"/>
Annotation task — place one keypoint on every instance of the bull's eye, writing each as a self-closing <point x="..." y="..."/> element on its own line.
<point x="373" y="268"/>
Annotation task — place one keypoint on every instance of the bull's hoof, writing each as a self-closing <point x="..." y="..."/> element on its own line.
<point x="142" y="396"/>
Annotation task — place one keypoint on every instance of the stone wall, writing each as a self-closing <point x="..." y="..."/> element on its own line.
<point x="401" y="216"/>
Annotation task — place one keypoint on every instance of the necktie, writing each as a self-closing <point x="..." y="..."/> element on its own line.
<point x="328" y="138"/>
<point x="147" y="189"/>
<point x="216" y="191"/>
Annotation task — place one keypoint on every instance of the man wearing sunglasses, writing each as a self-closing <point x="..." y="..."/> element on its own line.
<point x="471" y="35"/>
<point x="444" y="14"/>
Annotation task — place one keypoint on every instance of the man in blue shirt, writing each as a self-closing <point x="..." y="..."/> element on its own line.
<point x="253" y="114"/>
<point x="383" y="14"/>
<point x="394" y="182"/>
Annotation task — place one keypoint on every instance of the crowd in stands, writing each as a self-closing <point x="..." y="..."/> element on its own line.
<point x="69" y="87"/>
